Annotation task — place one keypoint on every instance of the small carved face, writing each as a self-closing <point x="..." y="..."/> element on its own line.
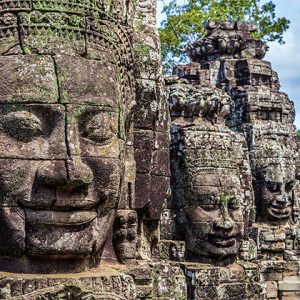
<point x="61" y="163"/>
<point x="275" y="193"/>
<point x="214" y="215"/>
<point x="125" y="234"/>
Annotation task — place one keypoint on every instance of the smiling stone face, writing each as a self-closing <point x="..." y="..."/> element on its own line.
<point x="61" y="164"/>
<point x="211" y="177"/>
<point x="274" y="157"/>
<point x="215" y="223"/>
<point x="275" y="192"/>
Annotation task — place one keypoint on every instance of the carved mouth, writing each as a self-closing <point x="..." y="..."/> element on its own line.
<point x="59" y="218"/>
<point x="280" y="212"/>
<point x="222" y="242"/>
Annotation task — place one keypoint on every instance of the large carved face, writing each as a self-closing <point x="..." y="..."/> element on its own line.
<point x="61" y="156"/>
<point x="274" y="189"/>
<point x="214" y="213"/>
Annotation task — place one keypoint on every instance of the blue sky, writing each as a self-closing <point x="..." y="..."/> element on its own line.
<point x="285" y="58"/>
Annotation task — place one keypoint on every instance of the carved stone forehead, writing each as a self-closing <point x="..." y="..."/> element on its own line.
<point x="67" y="79"/>
<point x="218" y="178"/>
<point x="85" y="47"/>
<point x="280" y="172"/>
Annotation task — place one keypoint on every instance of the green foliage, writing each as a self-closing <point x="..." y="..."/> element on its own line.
<point x="184" y="23"/>
<point x="226" y="199"/>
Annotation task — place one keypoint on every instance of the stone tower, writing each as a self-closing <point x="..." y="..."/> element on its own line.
<point x="228" y="62"/>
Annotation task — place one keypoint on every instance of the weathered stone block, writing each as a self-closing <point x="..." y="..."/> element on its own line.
<point x="159" y="191"/>
<point x="146" y="111"/>
<point x="290" y="284"/>
<point x="28" y="78"/>
<point x="144" y="146"/>
<point x="169" y="281"/>
<point x="161" y="163"/>
<point x="142" y="191"/>
<point x="203" y="292"/>
<point x="103" y="287"/>
<point x="167" y="224"/>
<point x="232" y="291"/>
<point x="145" y="49"/>
<point x="75" y="84"/>
<point x="272" y="289"/>
<point x="198" y="276"/>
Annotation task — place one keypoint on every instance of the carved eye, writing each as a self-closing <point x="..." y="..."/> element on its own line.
<point x="100" y="128"/>
<point x="273" y="187"/>
<point x="234" y="204"/>
<point x="132" y="222"/>
<point x="23" y="126"/>
<point x="210" y="207"/>
<point x="289" y="186"/>
<point x="207" y="201"/>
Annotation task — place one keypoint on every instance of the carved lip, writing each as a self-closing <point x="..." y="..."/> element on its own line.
<point x="59" y="218"/>
<point x="222" y="242"/>
<point x="279" y="211"/>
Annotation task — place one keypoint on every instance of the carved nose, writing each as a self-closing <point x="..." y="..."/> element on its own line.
<point x="78" y="173"/>
<point x="223" y="224"/>
<point x="52" y="173"/>
<point x="72" y="173"/>
<point x="66" y="184"/>
<point x="282" y="199"/>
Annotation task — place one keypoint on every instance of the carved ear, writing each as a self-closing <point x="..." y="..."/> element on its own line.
<point x="127" y="199"/>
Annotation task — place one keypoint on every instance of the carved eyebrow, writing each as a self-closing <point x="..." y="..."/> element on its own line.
<point x="94" y="109"/>
<point x="205" y="199"/>
<point x="19" y="114"/>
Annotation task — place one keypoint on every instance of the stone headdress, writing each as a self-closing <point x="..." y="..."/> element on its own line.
<point x="97" y="30"/>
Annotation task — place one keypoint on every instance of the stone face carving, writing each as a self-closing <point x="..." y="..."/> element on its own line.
<point x="275" y="191"/>
<point x="274" y="157"/>
<point x="65" y="135"/>
<point x="203" y="169"/>
<point x="208" y="180"/>
<point x="215" y="224"/>
<point x="62" y="200"/>
<point x="71" y="74"/>
<point x="85" y="175"/>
